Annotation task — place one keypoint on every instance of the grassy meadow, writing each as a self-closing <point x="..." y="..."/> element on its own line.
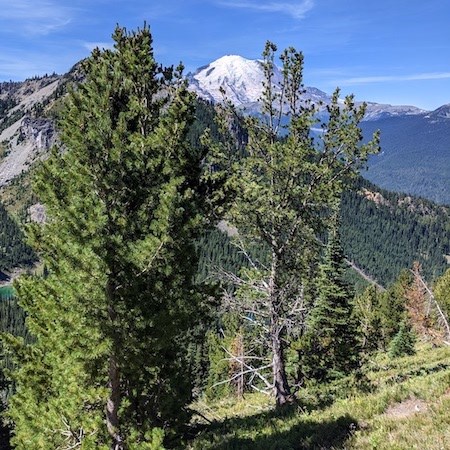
<point x="399" y="404"/>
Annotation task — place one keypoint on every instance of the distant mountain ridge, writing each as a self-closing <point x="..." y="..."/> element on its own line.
<point x="415" y="156"/>
<point x="242" y="79"/>
<point x="443" y="112"/>
<point x="27" y="119"/>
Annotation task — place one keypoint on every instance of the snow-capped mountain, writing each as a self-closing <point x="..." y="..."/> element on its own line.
<point x="377" y="111"/>
<point x="442" y="113"/>
<point x="414" y="142"/>
<point x="242" y="79"/>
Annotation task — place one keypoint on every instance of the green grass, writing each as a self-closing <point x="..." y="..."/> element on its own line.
<point x="354" y="420"/>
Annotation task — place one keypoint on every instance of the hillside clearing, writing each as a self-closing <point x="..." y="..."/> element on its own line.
<point x="405" y="406"/>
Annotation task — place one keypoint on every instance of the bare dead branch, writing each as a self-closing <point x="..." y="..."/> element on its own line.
<point x="241" y="373"/>
<point x="263" y="391"/>
<point x="432" y="299"/>
<point x="251" y="369"/>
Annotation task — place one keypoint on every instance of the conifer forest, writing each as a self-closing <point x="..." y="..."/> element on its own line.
<point x="209" y="279"/>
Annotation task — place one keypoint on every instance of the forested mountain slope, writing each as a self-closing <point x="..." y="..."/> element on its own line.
<point x="384" y="232"/>
<point x="123" y="336"/>
<point x="415" y="156"/>
<point x="14" y="251"/>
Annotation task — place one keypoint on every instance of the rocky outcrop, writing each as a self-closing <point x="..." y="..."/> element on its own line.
<point x="28" y="143"/>
<point x="375" y="197"/>
<point x="37" y="213"/>
<point x="27" y="131"/>
<point x="38" y="131"/>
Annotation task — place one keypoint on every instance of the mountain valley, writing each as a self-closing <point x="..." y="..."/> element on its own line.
<point x="196" y="276"/>
<point x="415" y="144"/>
<point x="28" y="131"/>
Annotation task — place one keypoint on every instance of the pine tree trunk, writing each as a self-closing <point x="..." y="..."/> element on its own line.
<point x="281" y="390"/>
<point x="113" y="402"/>
<point x="112" y="405"/>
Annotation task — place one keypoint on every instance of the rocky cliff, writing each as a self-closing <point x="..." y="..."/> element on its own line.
<point x="27" y="130"/>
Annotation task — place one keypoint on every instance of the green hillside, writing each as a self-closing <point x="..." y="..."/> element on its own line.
<point x="379" y="237"/>
<point x="415" y="155"/>
<point x="405" y="406"/>
<point x="204" y="290"/>
<point x="14" y="252"/>
<point x="384" y="232"/>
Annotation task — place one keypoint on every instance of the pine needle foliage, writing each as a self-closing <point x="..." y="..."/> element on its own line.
<point x="110" y="320"/>
<point x="403" y="342"/>
<point x="330" y="347"/>
<point x="282" y="191"/>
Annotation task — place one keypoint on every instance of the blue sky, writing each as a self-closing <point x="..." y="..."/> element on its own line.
<point x="388" y="51"/>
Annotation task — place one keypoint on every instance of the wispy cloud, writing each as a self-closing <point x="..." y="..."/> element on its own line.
<point x="394" y="78"/>
<point x="37" y="17"/>
<point x="295" y="9"/>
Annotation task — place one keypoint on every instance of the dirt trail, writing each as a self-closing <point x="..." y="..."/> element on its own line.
<point x="365" y="276"/>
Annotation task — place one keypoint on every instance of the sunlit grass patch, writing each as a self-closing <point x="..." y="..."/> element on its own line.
<point x="418" y="386"/>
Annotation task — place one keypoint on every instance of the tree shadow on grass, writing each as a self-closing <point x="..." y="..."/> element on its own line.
<point x="286" y="429"/>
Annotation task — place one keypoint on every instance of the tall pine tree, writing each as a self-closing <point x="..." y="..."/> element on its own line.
<point x="284" y="187"/>
<point x="108" y="363"/>
<point x="330" y="345"/>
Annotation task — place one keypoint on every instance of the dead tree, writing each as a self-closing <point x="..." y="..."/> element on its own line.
<point x="428" y="318"/>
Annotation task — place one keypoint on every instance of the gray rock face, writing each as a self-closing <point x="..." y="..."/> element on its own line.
<point x="30" y="142"/>
<point x="39" y="131"/>
<point x="26" y="133"/>
<point x="37" y="213"/>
